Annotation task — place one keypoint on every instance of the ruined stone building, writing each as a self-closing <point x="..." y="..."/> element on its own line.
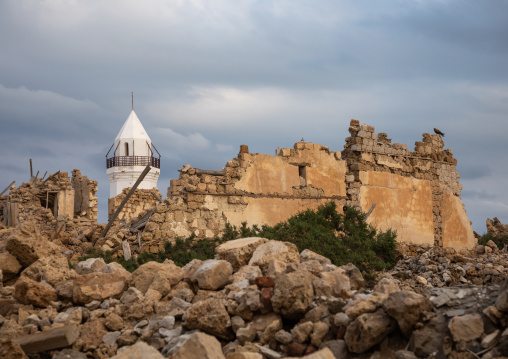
<point x="416" y="193"/>
<point x="57" y="202"/>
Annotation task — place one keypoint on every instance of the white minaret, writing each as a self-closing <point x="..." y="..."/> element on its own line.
<point x="131" y="152"/>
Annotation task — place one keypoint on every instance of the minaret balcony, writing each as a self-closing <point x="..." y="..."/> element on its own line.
<point x="118" y="161"/>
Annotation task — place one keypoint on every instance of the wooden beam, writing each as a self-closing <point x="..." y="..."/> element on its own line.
<point x="31" y="170"/>
<point x="53" y="175"/>
<point x="213" y="173"/>
<point x="49" y="339"/>
<point x="120" y="207"/>
<point x="6" y="188"/>
<point x="156" y="196"/>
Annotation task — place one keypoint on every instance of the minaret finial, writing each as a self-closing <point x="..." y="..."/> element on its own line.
<point x="132" y="98"/>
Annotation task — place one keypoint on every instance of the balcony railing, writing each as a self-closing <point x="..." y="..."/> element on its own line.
<point x="133" y="161"/>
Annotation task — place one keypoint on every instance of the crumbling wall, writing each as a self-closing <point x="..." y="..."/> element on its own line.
<point x="140" y="200"/>
<point x="41" y="200"/>
<point x="416" y="192"/>
<point x="85" y="200"/>
<point x="253" y="188"/>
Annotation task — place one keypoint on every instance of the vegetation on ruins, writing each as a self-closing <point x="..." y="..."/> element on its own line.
<point x="343" y="238"/>
<point x="500" y="240"/>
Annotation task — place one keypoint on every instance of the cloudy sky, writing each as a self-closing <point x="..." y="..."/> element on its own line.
<point x="208" y="76"/>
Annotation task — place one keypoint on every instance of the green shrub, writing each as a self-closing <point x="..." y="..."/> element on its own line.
<point x="341" y="238"/>
<point x="500" y="241"/>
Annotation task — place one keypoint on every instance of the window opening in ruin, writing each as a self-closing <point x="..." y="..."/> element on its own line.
<point x="302" y="172"/>
<point x="126" y="149"/>
<point x="48" y="200"/>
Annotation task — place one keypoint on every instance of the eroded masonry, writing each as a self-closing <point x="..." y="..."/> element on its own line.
<point x="416" y="193"/>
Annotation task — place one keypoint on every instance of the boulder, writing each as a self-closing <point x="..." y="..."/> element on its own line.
<point x="212" y="274"/>
<point x="331" y="284"/>
<point x="246" y="272"/>
<point x="9" y="265"/>
<point x="28" y="246"/>
<point x="266" y="324"/>
<point x="238" y="252"/>
<point x="355" y="276"/>
<point x="117" y="268"/>
<point x="292" y="294"/>
<point x="98" y="286"/>
<point x="157" y="276"/>
<point x="28" y="291"/>
<point x="466" y="327"/>
<point x="406" y="307"/>
<point x="140" y="350"/>
<point x="200" y="345"/>
<point x="285" y="252"/>
<point x="368" y="330"/>
<point x="210" y="316"/>
<point x="359" y="306"/>
<point x="308" y="255"/>
<point x="91" y="334"/>
<point x="53" y="270"/>
<point x="91" y="265"/>
<point x="191" y="267"/>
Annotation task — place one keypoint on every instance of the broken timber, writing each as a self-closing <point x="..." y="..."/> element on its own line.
<point x="48" y="339"/>
<point x="6" y="188"/>
<point x="120" y="207"/>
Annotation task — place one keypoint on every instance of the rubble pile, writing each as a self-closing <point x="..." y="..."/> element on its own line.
<point x="256" y="299"/>
<point x="425" y="267"/>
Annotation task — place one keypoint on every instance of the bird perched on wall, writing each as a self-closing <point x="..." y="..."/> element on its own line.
<point x="438" y="132"/>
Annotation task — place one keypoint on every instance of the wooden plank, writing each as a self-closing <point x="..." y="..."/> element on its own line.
<point x="14" y="214"/>
<point x="49" y="339"/>
<point x="6" y="188"/>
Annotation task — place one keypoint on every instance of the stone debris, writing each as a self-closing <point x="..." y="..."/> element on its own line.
<point x="281" y="304"/>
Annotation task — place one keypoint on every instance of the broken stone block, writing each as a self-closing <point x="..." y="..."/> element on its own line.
<point x="28" y="291"/>
<point x="212" y="274"/>
<point x="238" y="252"/>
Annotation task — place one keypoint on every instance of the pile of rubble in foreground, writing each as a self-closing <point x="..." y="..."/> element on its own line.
<point x="257" y="299"/>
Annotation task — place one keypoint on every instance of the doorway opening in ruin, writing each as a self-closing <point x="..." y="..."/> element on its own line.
<point x="302" y="172"/>
<point x="48" y="200"/>
<point x="126" y="149"/>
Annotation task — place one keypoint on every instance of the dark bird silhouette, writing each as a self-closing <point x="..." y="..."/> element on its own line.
<point x="438" y="132"/>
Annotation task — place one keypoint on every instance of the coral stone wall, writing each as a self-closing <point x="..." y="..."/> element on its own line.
<point x="416" y="192"/>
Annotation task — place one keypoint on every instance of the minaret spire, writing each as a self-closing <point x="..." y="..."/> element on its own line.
<point x="132" y="98"/>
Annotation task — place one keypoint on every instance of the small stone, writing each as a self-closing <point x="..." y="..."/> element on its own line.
<point x="110" y="338"/>
<point x="283" y="337"/>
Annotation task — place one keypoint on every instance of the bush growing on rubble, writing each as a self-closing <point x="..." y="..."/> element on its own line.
<point x="341" y="238"/>
<point x="500" y="241"/>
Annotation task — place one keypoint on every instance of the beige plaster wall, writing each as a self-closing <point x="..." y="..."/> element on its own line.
<point x="402" y="204"/>
<point x="326" y="170"/>
<point x="270" y="211"/>
<point x="267" y="174"/>
<point x="457" y="231"/>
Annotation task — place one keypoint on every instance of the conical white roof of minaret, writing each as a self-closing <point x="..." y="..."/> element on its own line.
<point x="132" y="128"/>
